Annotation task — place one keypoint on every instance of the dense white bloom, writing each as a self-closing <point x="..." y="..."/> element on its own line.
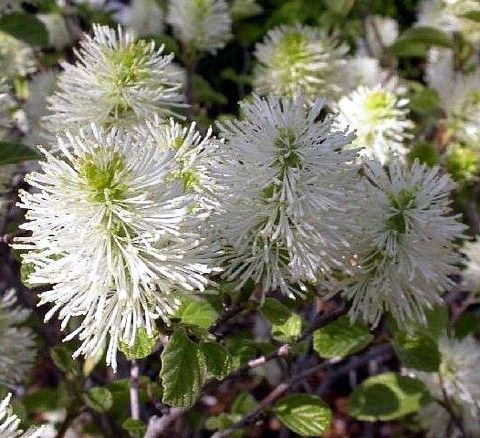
<point x="59" y="36"/>
<point x="116" y="81"/>
<point x="448" y="15"/>
<point x="16" y="342"/>
<point x="459" y="377"/>
<point x="379" y="116"/>
<point x="194" y="155"/>
<point x="143" y="17"/>
<point x="283" y="176"/>
<point x="459" y="95"/>
<point x="9" y="423"/>
<point x="109" y="230"/>
<point x="299" y="60"/>
<point x="35" y="108"/>
<point x="200" y="24"/>
<point x="380" y="32"/>
<point x="16" y="57"/>
<point x="405" y="250"/>
<point x="471" y="273"/>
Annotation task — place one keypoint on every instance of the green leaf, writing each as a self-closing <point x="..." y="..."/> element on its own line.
<point x="99" y="399"/>
<point x="472" y="15"/>
<point x="424" y="152"/>
<point x="62" y="358"/>
<point x="409" y="48"/>
<point x="183" y="370"/>
<point x="437" y="320"/>
<point x="11" y="153"/>
<point x="304" y="414"/>
<point x="290" y="330"/>
<point x="242" y="9"/>
<point x="25" y="27"/>
<point x="199" y="313"/>
<point x="424" y="101"/>
<point x="46" y="399"/>
<point x="276" y="312"/>
<point x="341" y="338"/>
<point x="341" y="7"/>
<point x="425" y="35"/>
<point x="217" y="359"/>
<point x="142" y="346"/>
<point x="243" y="403"/>
<point x="204" y="92"/>
<point x="387" y="397"/>
<point x="466" y="324"/>
<point x="134" y="426"/>
<point x="417" y="351"/>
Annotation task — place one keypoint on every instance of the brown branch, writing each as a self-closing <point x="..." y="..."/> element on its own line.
<point x="231" y="312"/>
<point x="158" y="425"/>
<point x="134" y="398"/>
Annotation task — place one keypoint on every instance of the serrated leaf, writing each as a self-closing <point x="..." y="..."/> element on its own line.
<point x="276" y="312"/>
<point x="387" y="397"/>
<point x="199" y="313"/>
<point x="340" y="338"/>
<point x="25" y="27"/>
<point x="142" y="346"/>
<point x="62" y="358"/>
<point x="99" y="399"/>
<point x="217" y="359"/>
<point x="417" y="351"/>
<point x="183" y="370"/>
<point x="11" y="153"/>
<point x="304" y="414"/>
<point x="134" y="426"/>
<point x="288" y="331"/>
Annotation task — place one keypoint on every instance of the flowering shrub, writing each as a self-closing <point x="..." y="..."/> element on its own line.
<point x="239" y="218"/>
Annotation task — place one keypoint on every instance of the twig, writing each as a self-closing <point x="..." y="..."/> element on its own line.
<point x="284" y="387"/>
<point x="158" y="425"/>
<point x="134" y="399"/>
<point x="231" y="312"/>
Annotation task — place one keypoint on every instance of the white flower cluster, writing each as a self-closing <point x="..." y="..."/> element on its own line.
<point x="117" y="81"/>
<point x="17" y="59"/>
<point x="283" y="176"/>
<point x="16" y="343"/>
<point x="458" y="379"/>
<point x="201" y="25"/>
<point x="110" y="229"/>
<point x="379" y="117"/>
<point x="299" y="60"/>
<point x="9" y="423"/>
<point x="406" y="250"/>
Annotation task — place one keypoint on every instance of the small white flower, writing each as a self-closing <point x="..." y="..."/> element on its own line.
<point x="143" y="17"/>
<point x="9" y="423"/>
<point x="459" y="95"/>
<point x="282" y="179"/>
<point x="379" y="116"/>
<point x="447" y="15"/>
<point x="406" y="250"/>
<point x="16" y="342"/>
<point x="193" y="153"/>
<point x="117" y="80"/>
<point x="16" y="57"/>
<point x="471" y="273"/>
<point x="380" y="33"/>
<point x="458" y="379"/>
<point x="203" y="25"/>
<point x="299" y="60"/>
<point x="110" y="231"/>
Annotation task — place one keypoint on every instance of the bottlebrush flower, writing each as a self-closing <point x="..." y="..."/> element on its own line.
<point x="110" y="231"/>
<point x="295" y="60"/>
<point x="203" y="25"/>
<point x="380" y="33"/>
<point x="9" y="423"/>
<point x="361" y="70"/>
<point x="282" y="178"/>
<point x="459" y="380"/>
<point x="117" y="81"/>
<point x="379" y="116"/>
<point x="405" y="250"/>
<point x="16" y="342"/>
<point x="193" y="154"/>
<point x="144" y="17"/>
